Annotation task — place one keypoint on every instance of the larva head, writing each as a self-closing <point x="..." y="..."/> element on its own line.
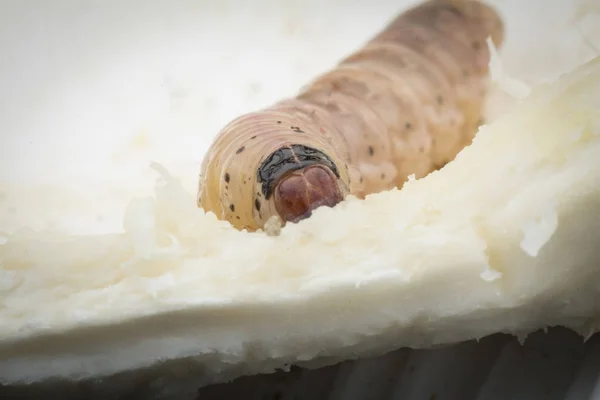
<point x="300" y="192"/>
<point x="297" y="179"/>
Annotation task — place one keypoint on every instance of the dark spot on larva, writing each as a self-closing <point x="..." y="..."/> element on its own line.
<point x="240" y="150"/>
<point x="259" y="215"/>
<point x="227" y="177"/>
<point x="371" y="151"/>
<point x="258" y="194"/>
<point x="476" y="45"/>
<point x="253" y="137"/>
<point x="238" y="217"/>
<point x="361" y="179"/>
<point x="226" y="187"/>
<point x="440" y="100"/>
<point x="232" y="207"/>
<point x="278" y="122"/>
<point x="296" y="129"/>
<point x="257" y="204"/>
<point x="408" y="126"/>
<point x="382" y="176"/>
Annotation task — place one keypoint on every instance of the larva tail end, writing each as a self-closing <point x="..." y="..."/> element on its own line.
<point x="302" y="191"/>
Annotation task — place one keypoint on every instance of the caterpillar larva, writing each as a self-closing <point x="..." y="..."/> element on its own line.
<point x="405" y="103"/>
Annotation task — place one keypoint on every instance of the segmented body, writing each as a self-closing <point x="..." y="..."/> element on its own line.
<point x="405" y="103"/>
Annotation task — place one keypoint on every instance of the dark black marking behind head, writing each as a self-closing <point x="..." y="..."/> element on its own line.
<point x="287" y="159"/>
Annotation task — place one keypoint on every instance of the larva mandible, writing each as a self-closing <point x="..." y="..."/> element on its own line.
<point x="405" y="103"/>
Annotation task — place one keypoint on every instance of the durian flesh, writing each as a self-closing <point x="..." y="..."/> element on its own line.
<point x="503" y="239"/>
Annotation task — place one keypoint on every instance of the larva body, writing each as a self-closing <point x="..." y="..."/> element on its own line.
<point x="405" y="103"/>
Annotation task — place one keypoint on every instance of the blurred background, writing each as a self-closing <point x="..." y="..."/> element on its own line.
<point x="552" y="364"/>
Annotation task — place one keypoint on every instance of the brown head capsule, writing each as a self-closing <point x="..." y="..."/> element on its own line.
<point x="301" y="192"/>
<point x="300" y="179"/>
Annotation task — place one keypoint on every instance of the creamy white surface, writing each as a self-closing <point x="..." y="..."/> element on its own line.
<point x="501" y="239"/>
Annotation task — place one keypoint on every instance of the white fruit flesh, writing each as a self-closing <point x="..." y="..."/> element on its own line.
<point x="503" y="239"/>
